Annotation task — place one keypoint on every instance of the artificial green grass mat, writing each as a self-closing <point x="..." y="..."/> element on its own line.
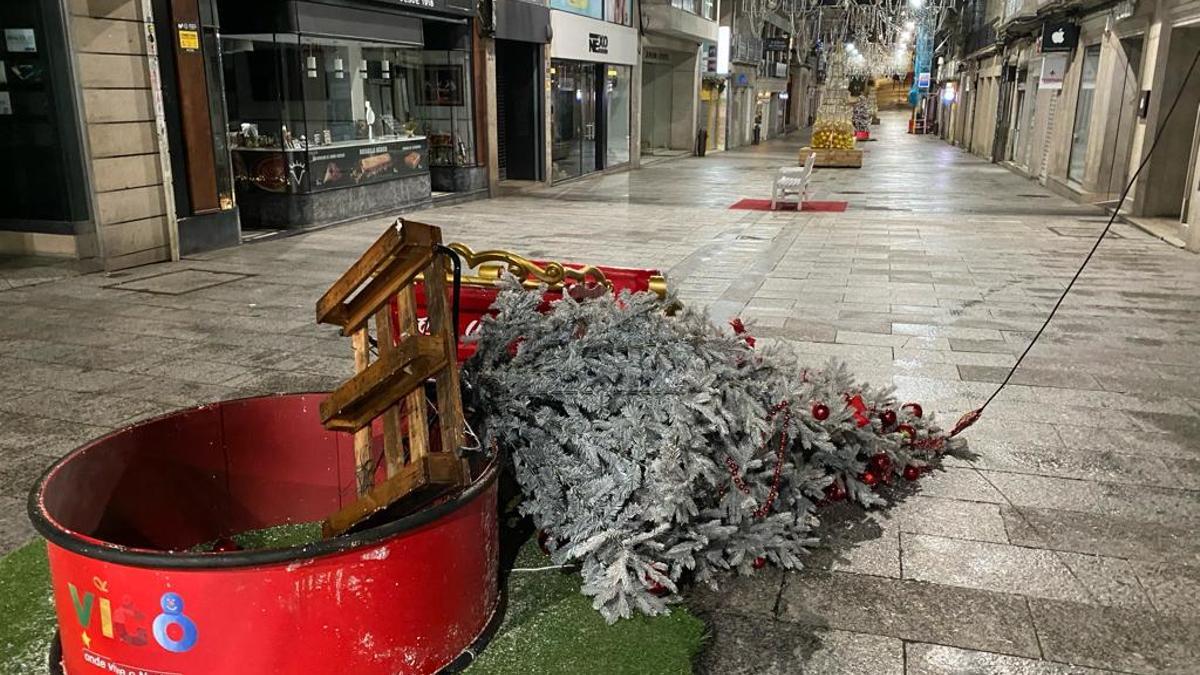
<point x="278" y="536"/>
<point x="548" y="627"/>
<point x="27" y="609"/>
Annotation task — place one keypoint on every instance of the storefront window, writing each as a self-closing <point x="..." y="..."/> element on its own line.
<point x="616" y="103"/>
<point x="343" y="112"/>
<point x="444" y="107"/>
<point x="1083" y="113"/>
<point x="614" y="11"/>
<point x="618" y="11"/>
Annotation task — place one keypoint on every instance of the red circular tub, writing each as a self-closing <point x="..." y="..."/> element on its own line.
<point x="415" y="595"/>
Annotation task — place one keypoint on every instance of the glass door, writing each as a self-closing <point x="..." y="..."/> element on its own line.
<point x="575" y="119"/>
<point x="564" y="79"/>
<point x="1083" y="114"/>
<point x="586" y="95"/>
<point x="616" y="107"/>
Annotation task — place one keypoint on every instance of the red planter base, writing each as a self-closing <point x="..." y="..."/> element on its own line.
<point x="408" y="596"/>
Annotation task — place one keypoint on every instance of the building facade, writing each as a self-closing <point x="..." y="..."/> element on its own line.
<point x="771" y="90"/>
<point x="674" y="42"/>
<point x="1073" y="96"/>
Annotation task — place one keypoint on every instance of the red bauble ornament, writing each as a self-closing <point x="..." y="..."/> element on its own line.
<point x="655" y="587"/>
<point x="834" y="492"/>
<point x="225" y="545"/>
<point x="912" y="472"/>
<point x="869" y="479"/>
<point x="881" y="463"/>
<point x="513" y="347"/>
<point x="759" y="563"/>
<point x="888" y="417"/>
<point x="820" y="412"/>
<point x="914" y="409"/>
<point x="737" y="325"/>
<point x="908" y="431"/>
<point x="749" y="340"/>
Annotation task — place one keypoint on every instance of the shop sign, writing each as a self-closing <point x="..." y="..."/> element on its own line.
<point x="317" y="169"/>
<point x="1059" y="37"/>
<point x="1054" y="68"/>
<point x="923" y="81"/>
<point x="775" y="44"/>
<point x="579" y="38"/>
<point x="461" y="7"/>
<point x="20" y="40"/>
<point x="650" y="55"/>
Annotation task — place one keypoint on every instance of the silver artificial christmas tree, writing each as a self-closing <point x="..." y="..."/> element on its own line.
<point x="651" y="446"/>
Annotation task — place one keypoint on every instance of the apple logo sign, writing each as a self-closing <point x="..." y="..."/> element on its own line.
<point x="1058" y="36"/>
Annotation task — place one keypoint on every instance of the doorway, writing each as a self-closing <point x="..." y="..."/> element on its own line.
<point x="519" y="110"/>
<point x="575" y="115"/>
<point x="657" y="82"/>
<point x="1166" y="185"/>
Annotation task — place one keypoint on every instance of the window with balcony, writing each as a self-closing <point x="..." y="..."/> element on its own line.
<point x="613" y="11"/>
<point x="702" y="8"/>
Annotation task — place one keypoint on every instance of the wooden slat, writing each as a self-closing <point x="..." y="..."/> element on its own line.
<point x="392" y="247"/>
<point x="399" y="273"/>
<point x="393" y="449"/>
<point x="362" y="269"/>
<point x="440" y="469"/>
<point x="362" y="438"/>
<point x="450" y="413"/>
<point x="369" y="393"/>
<point x="414" y="404"/>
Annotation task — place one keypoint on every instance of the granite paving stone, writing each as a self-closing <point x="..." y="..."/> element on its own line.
<point x="1120" y="638"/>
<point x="910" y="610"/>
<point x="1033" y="572"/>
<point x="752" y="647"/>
<point x="1102" y="534"/>
<point x="926" y="659"/>
<point x="949" y="518"/>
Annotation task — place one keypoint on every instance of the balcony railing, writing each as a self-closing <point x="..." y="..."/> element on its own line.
<point x="746" y="49"/>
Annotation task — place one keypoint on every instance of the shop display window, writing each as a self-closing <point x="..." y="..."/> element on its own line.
<point x="313" y="113"/>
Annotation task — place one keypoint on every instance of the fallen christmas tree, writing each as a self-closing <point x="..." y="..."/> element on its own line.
<point x="650" y="446"/>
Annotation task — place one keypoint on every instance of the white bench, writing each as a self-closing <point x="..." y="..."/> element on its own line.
<point x="793" y="180"/>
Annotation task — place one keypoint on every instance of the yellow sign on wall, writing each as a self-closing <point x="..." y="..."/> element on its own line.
<point x="189" y="39"/>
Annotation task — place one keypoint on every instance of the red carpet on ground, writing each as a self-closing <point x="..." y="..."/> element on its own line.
<point x="765" y="205"/>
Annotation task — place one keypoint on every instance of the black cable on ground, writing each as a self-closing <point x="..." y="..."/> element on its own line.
<point x="971" y="417"/>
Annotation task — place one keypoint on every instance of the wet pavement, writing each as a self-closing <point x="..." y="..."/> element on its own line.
<point x="1069" y="544"/>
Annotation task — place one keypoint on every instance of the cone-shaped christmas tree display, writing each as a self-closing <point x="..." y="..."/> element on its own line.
<point x="651" y="446"/>
<point x="833" y="129"/>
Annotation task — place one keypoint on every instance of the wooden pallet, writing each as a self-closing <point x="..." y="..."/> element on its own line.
<point x="378" y="289"/>
<point x="834" y="159"/>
